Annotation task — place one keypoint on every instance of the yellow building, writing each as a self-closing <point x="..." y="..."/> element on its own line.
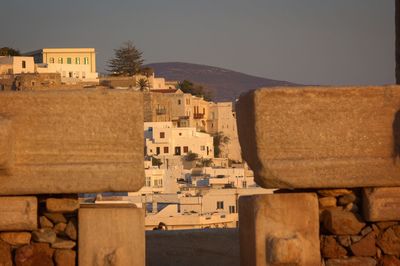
<point x="74" y="64"/>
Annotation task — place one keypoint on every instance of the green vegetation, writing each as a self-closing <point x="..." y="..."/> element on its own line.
<point x="143" y="84"/>
<point x="206" y="162"/>
<point x="195" y="89"/>
<point x="127" y="60"/>
<point x="191" y="156"/>
<point x="156" y="162"/>
<point x="9" y="51"/>
<point x="219" y="140"/>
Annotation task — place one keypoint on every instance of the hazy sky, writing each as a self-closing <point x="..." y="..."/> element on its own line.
<point x="307" y="41"/>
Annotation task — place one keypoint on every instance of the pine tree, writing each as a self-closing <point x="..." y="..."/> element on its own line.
<point x="127" y="60"/>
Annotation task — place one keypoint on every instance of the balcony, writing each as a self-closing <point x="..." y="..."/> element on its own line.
<point x="198" y="116"/>
<point x="161" y="111"/>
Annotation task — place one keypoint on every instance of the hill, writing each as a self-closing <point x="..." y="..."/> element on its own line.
<point x="225" y="85"/>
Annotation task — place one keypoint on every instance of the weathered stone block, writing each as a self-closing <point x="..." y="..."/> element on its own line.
<point x="71" y="141"/>
<point x="340" y="222"/>
<point x="64" y="257"/>
<point x="18" y="213"/>
<point x="16" y="238"/>
<point x="381" y="204"/>
<point x="279" y="229"/>
<point x="62" y="205"/>
<point x="320" y="137"/>
<point x="111" y="235"/>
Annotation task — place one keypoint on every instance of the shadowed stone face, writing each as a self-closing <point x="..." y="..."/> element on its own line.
<point x="70" y="141"/>
<point x="316" y="137"/>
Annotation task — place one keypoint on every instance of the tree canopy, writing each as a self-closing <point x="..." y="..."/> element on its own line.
<point x="127" y="60"/>
<point x="9" y="51"/>
<point x="187" y="86"/>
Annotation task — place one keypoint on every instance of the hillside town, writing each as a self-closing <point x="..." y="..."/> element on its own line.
<point x="194" y="173"/>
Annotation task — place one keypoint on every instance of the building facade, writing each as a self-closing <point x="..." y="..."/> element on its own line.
<point x="163" y="139"/>
<point x="74" y="64"/>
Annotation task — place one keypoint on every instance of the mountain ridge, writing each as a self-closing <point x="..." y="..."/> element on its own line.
<point x="224" y="84"/>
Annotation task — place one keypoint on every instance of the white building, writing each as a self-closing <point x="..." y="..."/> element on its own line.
<point x="74" y="64"/>
<point x="165" y="140"/>
<point x="11" y="65"/>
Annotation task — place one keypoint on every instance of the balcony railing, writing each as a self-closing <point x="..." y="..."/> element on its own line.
<point x="161" y="111"/>
<point x="198" y="116"/>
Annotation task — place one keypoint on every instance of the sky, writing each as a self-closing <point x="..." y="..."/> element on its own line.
<point x="332" y="42"/>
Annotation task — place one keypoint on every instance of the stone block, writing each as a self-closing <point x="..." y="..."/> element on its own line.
<point x="279" y="229"/>
<point x="62" y="205"/>
<point x="64" y="257"/>
<point x="16" y="238"/>
<point x="74" y="141"/>
<point x="320" y="137"/>
<point x="340" y="222"/>
<point x="18" y="213"/>
<point x="111" y="235"/>
<point x="381" y="204"/>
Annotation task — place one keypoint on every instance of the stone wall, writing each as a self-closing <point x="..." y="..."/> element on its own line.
<point x="357" y="228"/>
<point x="38" y="231"/>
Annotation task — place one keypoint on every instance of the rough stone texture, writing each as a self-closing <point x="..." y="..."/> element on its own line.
<point x="381" y="204"/>
<point x="327" y="202"/>
<point x="5" y="254"/>
<point x="344" y="240"/>
<point x="279" y="229"/>
<point x="45" y="235"/>
<point x="45" y="222"/>
<point x="64" y="257"/>
<point x="178" y="248"/>
<point x="389" y="261"/>
<point x="365" y="247"/>
<point x="353" y="261"/>
<point x="63" y="244"/>
<point x="70" y="230"/>
<point x="16" y="238"/>
<point x="60" y="228"/>
<point x="320" y="137"/>
<point x="334" y="192"/>
<point x="71" y="141"/>
<point x="341" y="222"/>
<point x="389" y="241"/>
<point x="346" y="199"/>
<point x="384" y="225"/>
<point x="18" y="213"/>
<point x="111" y="235"/>
<point x="62" y="205"/>
<point x="37" y="254"/>
<point x="331" y="249"/>
<point x="56" y="217"/>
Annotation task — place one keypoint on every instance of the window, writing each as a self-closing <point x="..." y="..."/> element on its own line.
<point x="231" y="209"/>
<point x="244" y="184"/>
<point x="157" y="150"/>
<point x="70" y="74"/>
<point x="202" y="148"/>
<point x="180" y="133"/>
<point x="60" y="60"/>
<point x="162" y="135"/>
<point x="158" y="183"/>
<point x="220" y="204"/>
<point x="166" y="150"/>
<point x="69" y="60"/>
<point x="23" y="64"/>
<point x="179" y="102"/>
<point x="86" y="60"/>
<point x="51" y="60"/>
<point x="185" y="149"/>
<point x="77" y="60"/>
<point x="148" y="181"/>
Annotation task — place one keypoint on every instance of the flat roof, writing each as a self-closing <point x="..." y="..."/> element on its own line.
<point x="61" y="50"/>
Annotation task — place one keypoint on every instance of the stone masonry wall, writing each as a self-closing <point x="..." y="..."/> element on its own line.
<point x="44" y="237"/>
<point x="347" y="234"/>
